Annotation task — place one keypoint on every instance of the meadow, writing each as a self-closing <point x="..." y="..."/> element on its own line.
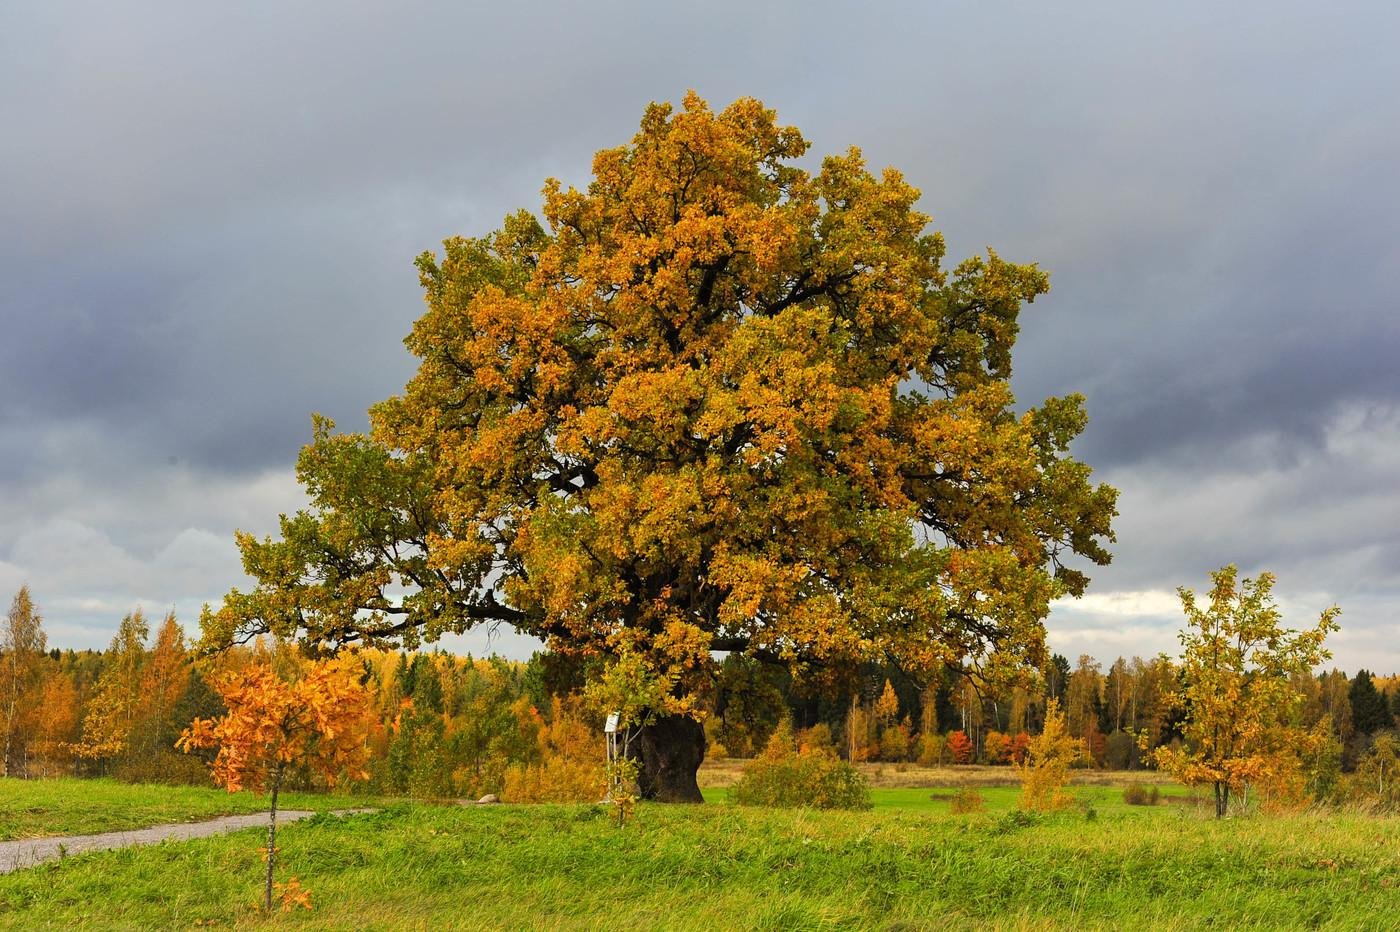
<point x="909" y="863"/>
<point x="73" y="806"/>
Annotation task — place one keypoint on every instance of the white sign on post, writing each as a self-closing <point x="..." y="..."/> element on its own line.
<point x="611" y="726"/>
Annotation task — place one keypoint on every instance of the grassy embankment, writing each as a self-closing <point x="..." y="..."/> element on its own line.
<point x="908" y="864"/>
<point x="70" y="806"/>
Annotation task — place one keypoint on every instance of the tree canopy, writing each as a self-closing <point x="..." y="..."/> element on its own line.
<point x="714" y="401"/>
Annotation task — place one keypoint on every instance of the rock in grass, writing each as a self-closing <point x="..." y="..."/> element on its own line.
<point x="488" y="800"/>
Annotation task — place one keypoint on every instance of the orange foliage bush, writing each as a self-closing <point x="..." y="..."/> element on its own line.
<point x="960" y="747"/>
<point x="997" y="747"/>
<point x="1019" y="745"/>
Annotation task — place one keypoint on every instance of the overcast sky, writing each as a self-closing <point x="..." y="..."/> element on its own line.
<point x="208" y="215"/>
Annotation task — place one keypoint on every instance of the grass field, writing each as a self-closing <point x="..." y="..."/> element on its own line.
<point x="725" y="771"/>
<point x="908" y="864"/>
<point x="69" y="806"/>
<point x="1103" y="799"/>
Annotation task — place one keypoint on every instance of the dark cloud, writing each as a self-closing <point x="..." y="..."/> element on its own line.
<point x="211" y="213"/>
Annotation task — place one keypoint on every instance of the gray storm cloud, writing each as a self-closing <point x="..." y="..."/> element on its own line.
<point x="210" y="213"/>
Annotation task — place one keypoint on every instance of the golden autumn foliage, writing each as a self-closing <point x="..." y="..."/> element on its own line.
<point x="114" y="711"/>
<point x="997" y="747"/>
<point x="712" y="401"/>
<point x="165" y="672"/>
<point x="570" y="767"/>
<point x="1241" y="724"/>
<point x="57" y="722"/>
<point x="292" y="894"/>
<point x="887" y="706"/>
<point x="319" y="721"/>
<point x="22" y="642"/>
<point x="1048" y="757"/>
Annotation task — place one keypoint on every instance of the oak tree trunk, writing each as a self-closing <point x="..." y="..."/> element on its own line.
<point x="669" y="752"/>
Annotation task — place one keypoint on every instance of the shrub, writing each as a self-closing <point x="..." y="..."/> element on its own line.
<point x="967" y="800"/>
<point x="163" y="767"/>
<point x="785" y="777"/>
<point x="960" y="747"/>
<point x="931" y="748"/>
<point x="1136" y="794"/>
<point x="997" y="747"/>
<point x="556" y="780"/>
<point x="1282" y="787"/>
<point x="894" y="742"/>
<point x="816" y="738"/>
<point x="1013" y="821"/>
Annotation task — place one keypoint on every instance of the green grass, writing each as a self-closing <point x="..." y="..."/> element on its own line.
<point x="722" y="866"/>
<point x="70" y="806"/>
<point x="1104" y="799"/>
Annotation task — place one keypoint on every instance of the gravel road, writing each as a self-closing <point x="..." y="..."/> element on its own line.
<point x="27" y="852"/>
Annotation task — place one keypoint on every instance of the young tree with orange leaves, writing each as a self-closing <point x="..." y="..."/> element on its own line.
<point x="320" y="721"/>
<point x="1236" y="666"/>
<point x="56" y="721"/>
<point x="713" y="402"/>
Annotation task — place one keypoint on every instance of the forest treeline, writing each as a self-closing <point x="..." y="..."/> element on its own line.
<point x="447" y="725"/>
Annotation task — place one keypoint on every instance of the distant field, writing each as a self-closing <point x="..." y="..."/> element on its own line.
<point x="1103" y="799"/>
<point x="69" y="806"/>
<point x="907" y="865"/>
<point x="723" y="772"/>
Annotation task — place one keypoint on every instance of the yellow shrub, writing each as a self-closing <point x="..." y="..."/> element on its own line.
<point x="1048" y="759"/>
<point x="571" y="766"/>
<point x="556" y="780"/>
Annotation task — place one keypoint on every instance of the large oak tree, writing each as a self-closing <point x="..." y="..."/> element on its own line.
<point x="713" y="402"/>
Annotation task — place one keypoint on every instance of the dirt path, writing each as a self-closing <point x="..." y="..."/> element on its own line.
<point x="27" y="852"/>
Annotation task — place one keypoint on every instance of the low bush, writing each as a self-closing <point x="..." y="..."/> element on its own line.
<point x="967" y="800"/>
<point x="555" y="780"/>
<point x="1135" y="794"/>
<point x="814" y="777"/>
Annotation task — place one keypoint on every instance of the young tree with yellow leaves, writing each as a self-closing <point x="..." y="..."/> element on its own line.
<point x="714" y="402"/>
<point x="1240" y="706"/>
<point x="112" y="714"/>
<point x="21" y="651"/>
<point x="320" y="721"/>
<point x="1045" y="766"/>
